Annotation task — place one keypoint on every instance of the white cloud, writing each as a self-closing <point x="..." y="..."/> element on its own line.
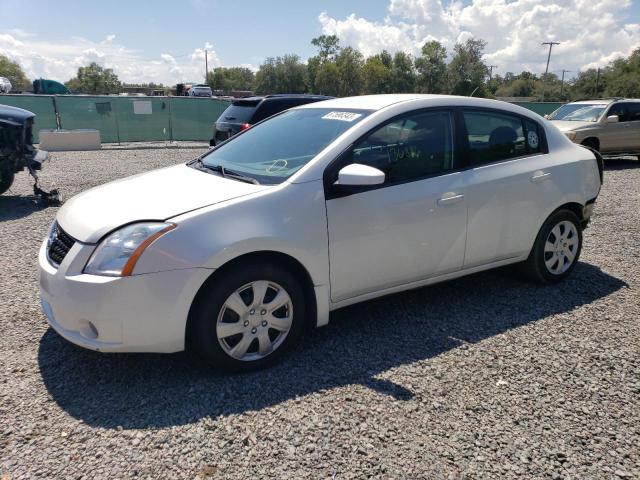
<point x="60" y="60"/>
<point x="591" y="32"/>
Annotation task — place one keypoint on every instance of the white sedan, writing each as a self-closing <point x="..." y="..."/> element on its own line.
<point x="322" y="206"/>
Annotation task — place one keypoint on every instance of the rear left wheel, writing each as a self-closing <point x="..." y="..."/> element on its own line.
<point x="556" y="249"/>
<point x="248" y="317"/>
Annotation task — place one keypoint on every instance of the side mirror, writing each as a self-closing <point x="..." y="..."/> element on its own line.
<point x="613" y="119"/>
<point x="358" y="175"/>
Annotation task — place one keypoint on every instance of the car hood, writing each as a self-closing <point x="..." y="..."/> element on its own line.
<point x="156" y="195"/>
<point x="566" y="125"/>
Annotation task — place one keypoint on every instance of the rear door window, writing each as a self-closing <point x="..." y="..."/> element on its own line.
<point x="494" y="136"/>
<point x="633" y="112"/>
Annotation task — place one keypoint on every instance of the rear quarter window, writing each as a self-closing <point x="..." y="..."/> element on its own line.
<point x="239" y="112"/>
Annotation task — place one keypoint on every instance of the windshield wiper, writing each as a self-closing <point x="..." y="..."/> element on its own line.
<point x="225" y="172"/>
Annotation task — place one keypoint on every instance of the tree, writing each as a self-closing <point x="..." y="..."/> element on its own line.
<point x="431" y="68"/>
<point x="467" y="72"/>
<point x="326" y="80"/>
<point x="14" y="73"/>
<point x="403" y="75"/>
<point x="292" y="75"/>
<point x="94" y="79"/>
<point x="282" y="75"/>
<point x="622" y="77"/>
<point x="234" y="78"/>
<point x="522" y="85"/>
<point x="349" y="63"/>
<point x="266" y="77"/>
<point x="376" y="75"/>
<point x="328" y="46"/>
<point x="584" y="85"/>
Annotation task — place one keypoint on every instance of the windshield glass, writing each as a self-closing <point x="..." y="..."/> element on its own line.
<point x="272" y="151"/>
<point x="578" y="112"/>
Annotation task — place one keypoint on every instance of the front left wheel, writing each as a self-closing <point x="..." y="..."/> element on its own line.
<point x="246" y="318"/>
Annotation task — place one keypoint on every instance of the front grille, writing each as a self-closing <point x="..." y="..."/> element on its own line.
<point x="59" y="245"/>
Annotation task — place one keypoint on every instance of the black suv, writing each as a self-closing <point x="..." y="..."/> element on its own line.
<point x="243" y="113"/>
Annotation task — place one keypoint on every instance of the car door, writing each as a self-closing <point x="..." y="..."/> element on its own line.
<point x="509" y="182"/>
<point x="413" y="225"/>
<point x="634" y="125"/>
<point x="621" y="136"/>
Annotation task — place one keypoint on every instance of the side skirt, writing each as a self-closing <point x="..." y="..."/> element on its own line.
<point x="424" y="282"/>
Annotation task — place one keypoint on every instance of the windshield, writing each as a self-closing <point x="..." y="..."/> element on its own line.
<point x="578" y="112"/>
<point x="272" y="151"/>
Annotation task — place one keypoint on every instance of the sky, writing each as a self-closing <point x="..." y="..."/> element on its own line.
<point x="164" y="41"/>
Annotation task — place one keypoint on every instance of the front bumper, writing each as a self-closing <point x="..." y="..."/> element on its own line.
<point x="141" y="313"/>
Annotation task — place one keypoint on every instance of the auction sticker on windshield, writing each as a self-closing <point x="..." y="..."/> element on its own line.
<point x="344" y="116"/>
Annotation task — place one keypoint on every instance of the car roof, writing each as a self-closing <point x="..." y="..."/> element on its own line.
<point x="379" y="102"/>
<point x="597" y="101"/>
<point x="283" y="96"/>
<point x="366" y="102"/>
<point x="298" y="95"/>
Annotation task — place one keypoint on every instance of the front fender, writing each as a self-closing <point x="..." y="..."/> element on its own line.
<point x="290" y="219"/>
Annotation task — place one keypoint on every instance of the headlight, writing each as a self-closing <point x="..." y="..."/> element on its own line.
<point x="570" y="135"/>
<point x="117" y="254"/>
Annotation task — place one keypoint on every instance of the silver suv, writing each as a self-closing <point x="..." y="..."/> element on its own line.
<point x="611" y="126"/>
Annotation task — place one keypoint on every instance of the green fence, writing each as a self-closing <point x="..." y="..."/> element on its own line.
<point x="541" y="108"/>
<point x="42" y="105"/>
<point x="125" y="119"/>
<point x="193" y="118"/>
<point x="143" y="119"/>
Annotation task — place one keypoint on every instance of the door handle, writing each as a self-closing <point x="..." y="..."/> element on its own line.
<point x="540" y="176"/>
<point x="450" y="199"/>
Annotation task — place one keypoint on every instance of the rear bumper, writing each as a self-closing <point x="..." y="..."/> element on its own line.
<point x="141" y="313"/>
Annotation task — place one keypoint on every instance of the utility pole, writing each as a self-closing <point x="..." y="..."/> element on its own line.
<point x="206" y="66"/>
<point x="551" y="44"/>
<point x="546" y="71"/>
<point x="562" y="81"/>
<point x="491" y="67"/>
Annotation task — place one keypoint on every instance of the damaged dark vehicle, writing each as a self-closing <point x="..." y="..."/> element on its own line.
<point x="17" y="151"/>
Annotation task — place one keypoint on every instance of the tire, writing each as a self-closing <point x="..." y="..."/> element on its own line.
<point x="6" y="176"/>
<point x="221" y="328"/>
<point x="564" y="248"/>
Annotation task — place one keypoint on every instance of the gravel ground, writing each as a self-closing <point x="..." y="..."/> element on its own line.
<point x="482" y="377"/>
